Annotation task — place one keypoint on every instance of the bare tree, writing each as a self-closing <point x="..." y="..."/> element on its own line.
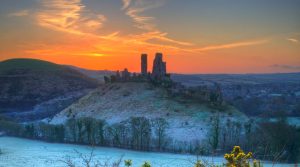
<point x="141" y="133"/>
<point x="160" y="125"/>
<point x="90" y="161"/>
<point x="215" y="132"/>
<point x="71" y="127"/>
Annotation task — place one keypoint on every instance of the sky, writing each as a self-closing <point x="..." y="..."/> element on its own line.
<point x="195" y="36"/>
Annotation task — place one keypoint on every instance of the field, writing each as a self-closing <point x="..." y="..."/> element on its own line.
<point x="29" y="153"/>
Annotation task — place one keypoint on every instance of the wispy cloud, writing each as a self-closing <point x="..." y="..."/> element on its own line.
<point x="135" y="9"/>
<point x="293" y="40"/>
<point x="55" y="52"/>
<point x="66" y="16"/>
<point x="232" y="45"/>
<point x="141" y="22"/>
<point x="284" y="66"/>
<point x="73" y="17"/>
<point x="126" y="3"/>
<point x="19" y="13"/>
<point x="159" y="36"/>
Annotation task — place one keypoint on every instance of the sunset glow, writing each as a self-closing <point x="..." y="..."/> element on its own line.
<point x="196" y="36"/>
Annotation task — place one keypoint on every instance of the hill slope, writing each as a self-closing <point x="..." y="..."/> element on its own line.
<point x="27" y="64"/>
<point x="27" y="83"/>
<point x="118" y="102"/>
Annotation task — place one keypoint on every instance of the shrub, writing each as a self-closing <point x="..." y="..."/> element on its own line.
<point x="237" y="158"/>
<point x="279" y="140"/>
<point x="146" y="164"/>
<point x="10" y="127"/>
<point x="257" y="163"/>
<point x="199" y="164"/>
<point x="128" y="162"/>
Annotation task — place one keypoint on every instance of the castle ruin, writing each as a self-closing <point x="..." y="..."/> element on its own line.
<point x="159" y="76"/>
<point x="159" y="71"/>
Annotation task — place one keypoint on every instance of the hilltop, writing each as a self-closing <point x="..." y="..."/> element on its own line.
<point x="27" y="64"/>
<point x="32" y="89"/>
<point x="189" y="120"/>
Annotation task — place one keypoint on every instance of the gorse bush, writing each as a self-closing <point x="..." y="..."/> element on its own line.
<point x="238" y="158"/>
<point x="256" y="163"/>
<point x="146" y="164"/>
<point x="199" y="164"/>
<point x="128" y="163"/>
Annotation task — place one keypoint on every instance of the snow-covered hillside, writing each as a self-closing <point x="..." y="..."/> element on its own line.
<point x="188" y="120"/>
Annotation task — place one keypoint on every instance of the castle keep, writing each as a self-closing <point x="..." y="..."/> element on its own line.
<point x="144" y="65"/>
<point x="159" y="69"/>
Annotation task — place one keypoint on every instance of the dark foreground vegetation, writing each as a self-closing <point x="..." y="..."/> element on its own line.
<point x="271" y="140"/>
<point x="236" y="158"/>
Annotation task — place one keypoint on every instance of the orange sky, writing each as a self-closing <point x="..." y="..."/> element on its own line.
<point x="111" y="35"/>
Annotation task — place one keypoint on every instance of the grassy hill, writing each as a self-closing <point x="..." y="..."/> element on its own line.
<point x="25" y="83"/>
<point x="189" y="120"/>
<point x="28" y="64"/>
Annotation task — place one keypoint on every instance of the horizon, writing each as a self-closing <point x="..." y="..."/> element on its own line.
<point x="199" y="37"/>
<point x="296" y="72"/>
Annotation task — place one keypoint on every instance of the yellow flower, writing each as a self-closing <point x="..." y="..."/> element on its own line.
<point x="249" y="155"/>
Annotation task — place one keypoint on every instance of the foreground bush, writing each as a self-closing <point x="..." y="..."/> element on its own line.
<point x="128" y="162"/>
<point x="238" y="158"/>
<point x="146" y="164"/>
<point x="199" y="164"/>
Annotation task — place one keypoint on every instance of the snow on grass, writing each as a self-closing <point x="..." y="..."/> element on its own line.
<point x="30" y="153"/>
<point x="189" y="121"/>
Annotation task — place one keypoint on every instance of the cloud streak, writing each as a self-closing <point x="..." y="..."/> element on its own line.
<point x="66" y="16"/>
<point x="126" y="3"/>
<point x="284" y="66"/>
<point x="19" y="13"/>
<point x="293" y="40"/>
<point x="73" y="17"/>
<point x="135" y="10"/>
<point x="231" y="45"/>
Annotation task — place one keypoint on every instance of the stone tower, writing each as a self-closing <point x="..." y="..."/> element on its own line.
<point x="159" y="69"/>
<point x="144" y="64"/>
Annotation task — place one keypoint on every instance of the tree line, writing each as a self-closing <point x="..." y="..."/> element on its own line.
<point x="272" y="140"/>
<point x="138" y="133"/>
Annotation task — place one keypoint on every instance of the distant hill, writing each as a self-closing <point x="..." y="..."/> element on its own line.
<point x="25" y="84"/>
<point x="253" y="94"/>
<point x="28" y="64"/>
<point x="234" y="79"/>
<point x="96" y="74"/>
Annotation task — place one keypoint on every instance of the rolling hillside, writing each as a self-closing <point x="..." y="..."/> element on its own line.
<point x="30" y="86"/>
<point x="188" y="120"/>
